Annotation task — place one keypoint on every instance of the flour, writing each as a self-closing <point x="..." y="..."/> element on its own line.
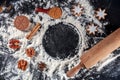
<point x="53" y="65"/>
<point x="107" y="61"/>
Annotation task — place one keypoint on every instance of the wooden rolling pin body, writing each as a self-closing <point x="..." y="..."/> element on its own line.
<point x="101" y="50"/>
<point x="98" y="52"/>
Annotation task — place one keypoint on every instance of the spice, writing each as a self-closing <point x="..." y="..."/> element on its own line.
<point x="41" y="66"/>
<point x="54" y="12"/>
<point x="1" y="9"/>
<point x="14" y="44"/>
<point x="30" y="52"/>
<point x="21" y="23"/>
<point x="34" y="30"/>
<point x="22" y="64"/>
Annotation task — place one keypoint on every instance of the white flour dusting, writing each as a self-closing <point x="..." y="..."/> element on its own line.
<point x="52" y="64"/>
<point x="107" y="61"/>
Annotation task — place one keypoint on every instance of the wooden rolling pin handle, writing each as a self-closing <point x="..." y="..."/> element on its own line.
<point x="42" y="10"/>
<point x="74" y="70"/>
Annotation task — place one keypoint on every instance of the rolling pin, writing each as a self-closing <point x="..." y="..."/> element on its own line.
<point x="97" y="52"/>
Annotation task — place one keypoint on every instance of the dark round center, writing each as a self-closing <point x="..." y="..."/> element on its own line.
<point x="61" y="41"/>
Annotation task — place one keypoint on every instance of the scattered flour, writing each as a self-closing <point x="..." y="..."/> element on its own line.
<point x="107" y="61"/>
<point x="52" y="64"/>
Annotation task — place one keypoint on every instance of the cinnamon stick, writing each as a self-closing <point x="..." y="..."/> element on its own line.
<point x="33" y="31"/>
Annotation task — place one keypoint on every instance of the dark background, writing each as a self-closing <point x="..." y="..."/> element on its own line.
<point x="113" y="9"/>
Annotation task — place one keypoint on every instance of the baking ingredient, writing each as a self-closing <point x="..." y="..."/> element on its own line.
<point x="55" y="68"/>
<point x="14" y="44"/>
<point x="30" y="52"/>
<point x="1" y="9"/>
<point x="34" y="30"/>
<point x="21" y="22"/>
<point x="54" y="12"/>
<point x="22" y="64"/>
<point x="41" y="66"/>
